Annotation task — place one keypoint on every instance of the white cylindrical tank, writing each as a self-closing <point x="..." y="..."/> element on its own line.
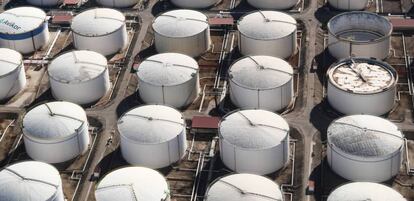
<point x="243" y="187"/>
<point x="268" y="33"/>
<point x="132" y="184"/>
<point x="254" y="141"/>
<point x="371" y="145"/>
<point x="359" y="34"/>
<point x="195" y="4"/>
<point x="12" y="73"/>
<point x="45" y="3"/>
<point x="153" y="136"/>
<point x="362" y="86"/>
<point x="117" y="3"/>
<point x="365" y="191"/>
<point x="79" y="77"/>
<point x="349" y="4"/>
<point x="273" y="4"/>
<point x="169" y="79"/>
<point x="272" y="91"/>
<point x="102" y="30"/>
<point x="30" y="181"/>
<point x="24" y="29"/>
<point x="55" y="132"/>
<point x="182" y="31"/>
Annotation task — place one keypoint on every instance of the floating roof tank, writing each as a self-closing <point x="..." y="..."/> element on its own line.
<point x="273" y="4"/>
<point x="152" y="136"/>
<point x="117" y="3"/>
<point x="12" y="73"/>
<point x="369" y="144"/>
<point x="169" y="79"/>
<point x="45" y="3"/>
<point x="182" y="31"/>
<point x="349" y="4"/>
<point x="268" y="33"/>
<point x="24" y="29"/>
<point x="102" y="30"/>
<point x="55" y="132"/>
<point x="195" y="4"/>
<point x="243" y="187"/>
<point x="80" y="77"/>
<point x="254" y="141"/>
<point x="132" y="184"/>
<point x="30" y="180"/>
<point x="365" y="191"/>
<point x="362" y="86"/>
<point x="273" y="91"/>
<point x="359" y="34"/>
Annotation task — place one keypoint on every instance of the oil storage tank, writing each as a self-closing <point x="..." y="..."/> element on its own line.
<point x="169" y="79"/>
<point x="12" y="73"/>
<point x="359" y="34"/>
<point x="102" y="30"/>
<point x="273" y="4"/>
<point x="117" y="3"/>
<point x="132" y="184"/>
<point x="55" y="132"/>
<point x="254" y="141"/>
<point x="349" y="4"/>
<point x="272" y="91"/>
<point x="371" y="145"/>
<point x="362" y="86"/>
<point x="182" y="31"/>
<point x="195" y="4"/>
<point x="152" y="136"/>
<point x="365" y="191"/>
<point x="45" y="3"/>
<point x="30" y="180"/>
<point x="243" y="187"/>
<point x="24" y="29"/>
<point x="80" y="77"/>
<point x="269" y="33"/>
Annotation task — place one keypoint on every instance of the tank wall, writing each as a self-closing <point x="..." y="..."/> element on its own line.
<point x="369" y="171"/>
<point x="44" y="2"/>
<point x="282" y="48"/>
<point x="154" y="155"/>
<point x="28" y="44"/>
<point x="273" y="100"/>
<point x="273" y="4"/>
<point x="12" y="83"/>
<point x="84" y="92"/>
<point x="59" y="194"/>
<point x="106" y="45"/>
<point x="192" y="46"/>
<point x="57" y="152"/>
<point x="254" y="161"/>
<point x="197" y="4"/>
<point x="117" y="3"/>
<point x="349" y="4"/>
<point x="374" y="104"/>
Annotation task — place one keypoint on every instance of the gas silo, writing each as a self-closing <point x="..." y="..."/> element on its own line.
<point x="30" y="181"/>
<point x="195" y="4"/>
<point x="349" y="4"/>
<point x="365" y="191"/>
<point x="132" y="184"/>
<point x="55" y="132"/>
<point x="182" y="31"/>
<point x="45" y="3"/>
<point x="273" y="4"/>
<point x="169" y="79"/>
<point x="243" y="187"/>
<point x="80" y="77"/>
<point x="359" y="34"/>
<point x="272" y="91"/>
<point x="362" y="86"/>
<point x="364" y="148"/>
<point x="24" y="29"/>
<point x="254" y="141"/>
<point x="117" y="3"/>
<point x="102" y="30"/>
<point x="153" y="136"/>
<point x="269" y="33"/>
<point x="12" y="73"/>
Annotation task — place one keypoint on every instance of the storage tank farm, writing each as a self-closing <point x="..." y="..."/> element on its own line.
<point x="24" y="29"/>
<point x="12" y="73"/>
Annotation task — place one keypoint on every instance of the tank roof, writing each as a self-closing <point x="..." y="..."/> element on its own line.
<point x="21" y="20"/>
<point x="98" y="22"/>
<point x="365" y="191"/>
<point x="10" y="60"/>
